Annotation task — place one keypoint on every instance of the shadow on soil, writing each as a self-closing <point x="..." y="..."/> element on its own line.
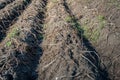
<point x="103" y="74"/>
<point x="3" y="4"/>
<point x="34" y="51"/>
<point x="33" y="55"/>
<point x="29" y="59"/>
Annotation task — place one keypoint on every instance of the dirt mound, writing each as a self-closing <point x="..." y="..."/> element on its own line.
<point x="100" y="22"/>
<point x="10" y="14"/>
<point x="65" y="56"/>
<point x="59" y="40"/>
<point x="20" y="51"/>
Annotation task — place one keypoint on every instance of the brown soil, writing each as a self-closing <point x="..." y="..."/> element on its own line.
<point x="3" y="3"/>
<point x="107" y="43"/>
<point x="10" y="14"/>
<point x="64" y="57"/>
<point x="24" y="51"/>
<point x="59" y="40"/>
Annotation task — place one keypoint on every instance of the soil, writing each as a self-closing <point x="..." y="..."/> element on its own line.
<point x="10" y="14"/>
<point x="59" y="39"/>
<point x="3" y="3"/>
<point x="104" y="14"/>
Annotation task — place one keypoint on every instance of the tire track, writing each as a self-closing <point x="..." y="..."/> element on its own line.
<point x="4" y="3"/>
<point x="10" y="14"/>
<point x="27" y="50"/>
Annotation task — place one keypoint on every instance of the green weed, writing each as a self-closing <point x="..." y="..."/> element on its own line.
<point x="101" y="18"/>
<point x="54" y="1"/>
<point x="95" y="35"/>
<point x="86" y="33"/>
<point x="68" y="19"/>
<point x="8" y="44"/>
<point x="102" y="22"/>
<point x="74" y="24"/>
<point x="14" y="32"/>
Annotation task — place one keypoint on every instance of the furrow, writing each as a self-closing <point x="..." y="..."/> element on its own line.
<point x="4" y="3"/>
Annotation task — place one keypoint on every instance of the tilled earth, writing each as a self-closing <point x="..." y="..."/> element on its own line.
<point x="59" y="39"/>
